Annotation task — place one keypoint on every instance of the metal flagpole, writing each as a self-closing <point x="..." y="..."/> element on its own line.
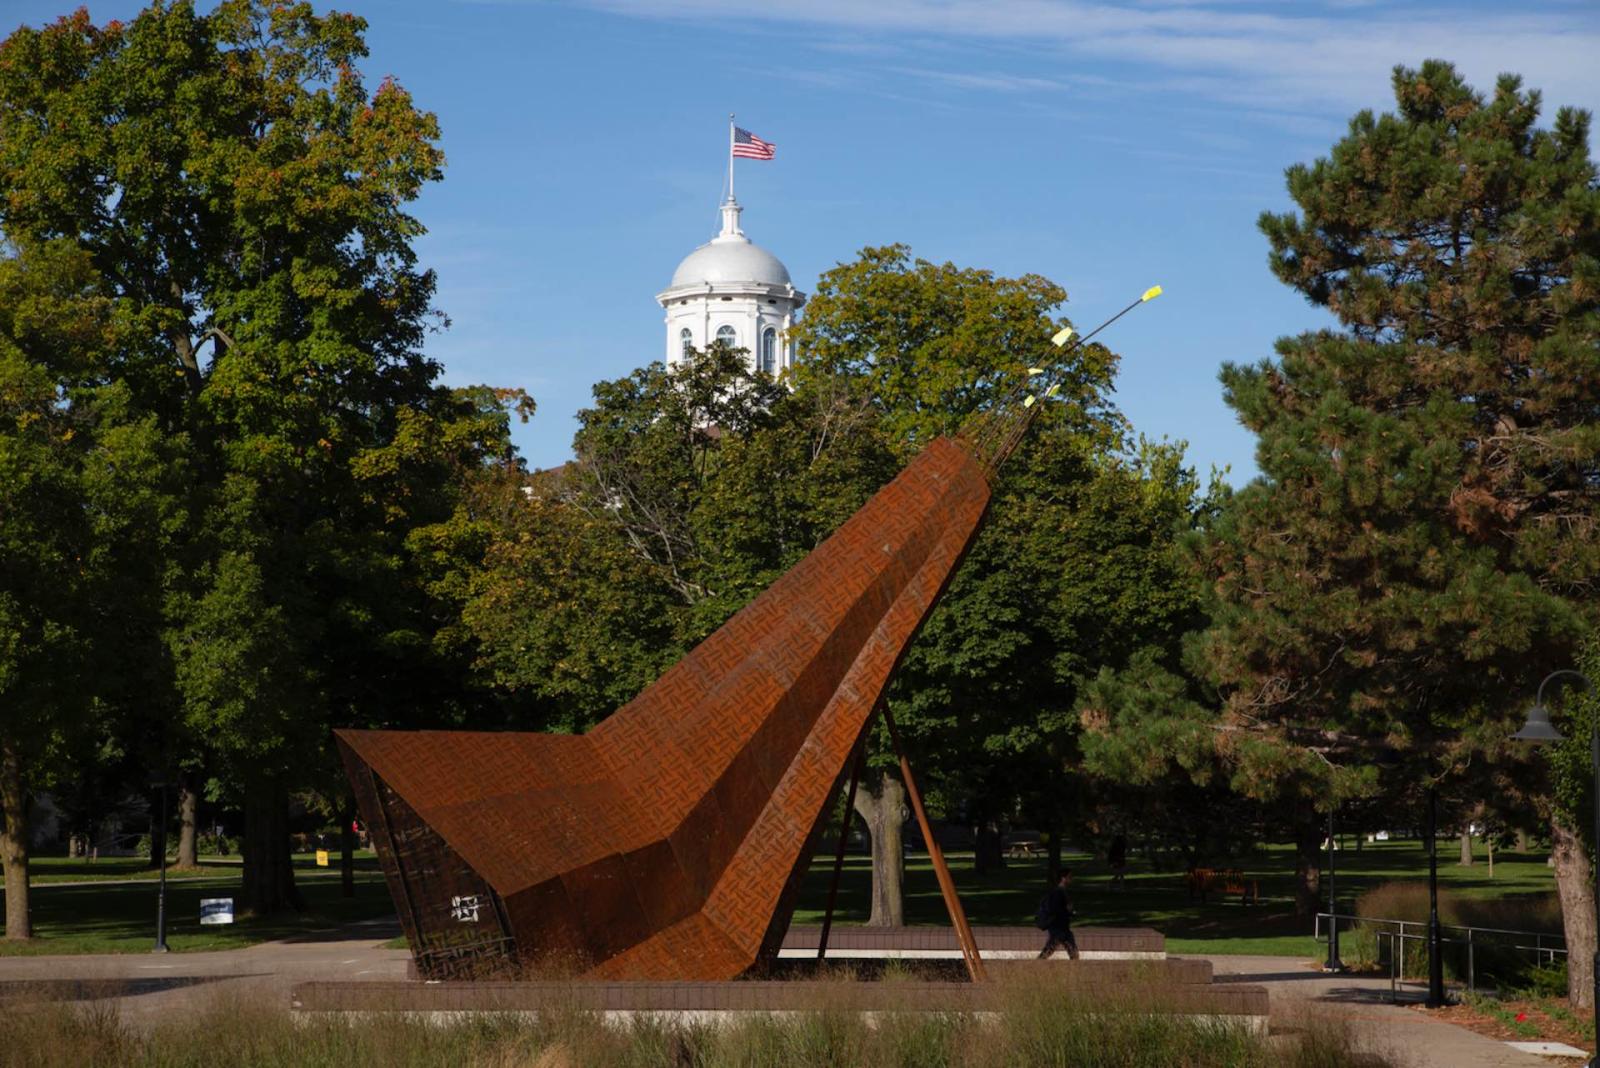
<point x="730" y="155"/>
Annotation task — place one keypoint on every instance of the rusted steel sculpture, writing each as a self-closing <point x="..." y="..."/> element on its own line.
<point x="668" y="843"/>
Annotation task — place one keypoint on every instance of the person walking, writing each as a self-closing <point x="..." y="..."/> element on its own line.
<point x="1118" y="858"/>
<point x="1055" y="918"/>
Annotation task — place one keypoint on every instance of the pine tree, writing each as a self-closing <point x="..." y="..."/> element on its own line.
<point x="1421" y="546"/>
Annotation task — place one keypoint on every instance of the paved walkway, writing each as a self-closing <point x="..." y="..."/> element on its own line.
<point x="1411" y="1038"/>
<point x="156" y="983"/>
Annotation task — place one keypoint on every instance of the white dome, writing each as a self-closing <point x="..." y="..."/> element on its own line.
<point x="730" y="257"/>
<point x="730" y="260"/>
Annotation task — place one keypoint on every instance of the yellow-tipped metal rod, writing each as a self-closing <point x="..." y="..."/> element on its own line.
<point x="1068" y="334"/>
<point x="1068" y="341"/>
<point x="1150" y="294"/>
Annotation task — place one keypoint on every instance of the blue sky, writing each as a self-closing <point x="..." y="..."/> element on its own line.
<point x="1107" y="147"/>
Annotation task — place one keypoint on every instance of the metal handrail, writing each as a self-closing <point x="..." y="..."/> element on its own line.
<point x="1423" y="923"/>
<point x="1396" y="942"/>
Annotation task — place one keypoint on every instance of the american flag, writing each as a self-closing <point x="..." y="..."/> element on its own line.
<point x="747" y="145"/>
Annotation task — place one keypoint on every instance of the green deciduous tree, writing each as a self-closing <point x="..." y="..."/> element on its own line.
<point x="696" y="485"/>
<point x="45" y="537"/>
<point x="81" y="504"/>
<point x="1072" y="570"/>
<point x="241" y="198"/>
<point x="600" y="574"/>
<point x="1075" y="572"/>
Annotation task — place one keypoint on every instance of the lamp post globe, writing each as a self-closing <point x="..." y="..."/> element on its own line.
<point x="1539" y="729"/>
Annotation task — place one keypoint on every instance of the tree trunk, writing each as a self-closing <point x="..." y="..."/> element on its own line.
<point x="268" y="884"/>
<point x="882" y="805"/>
<point x="1466" y="848"/>
<point x="1054" y="863"/>
<point x="1524" y="844"/>
<point x="1577" y="912"/>
<point x="987" y="852"/>
<point x="347" y="851"/>
<point x="1307" y="865"/>
<point x="14" y="844"/>
<point x="188" y="811"/>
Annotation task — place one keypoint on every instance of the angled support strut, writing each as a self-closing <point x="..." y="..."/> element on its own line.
<point x="947" y="885"/>
<point x="844" y="837"/>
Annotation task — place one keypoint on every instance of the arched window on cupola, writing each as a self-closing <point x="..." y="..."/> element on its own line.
<point x="769" y="351"/>
<point x="685" y="340"/>
<point x="728" y="336"/>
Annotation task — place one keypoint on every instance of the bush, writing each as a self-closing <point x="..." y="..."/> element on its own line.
<point x="1547" y="981"/>
<point x="1492" y="959"/>
<point x="212" y="844"/>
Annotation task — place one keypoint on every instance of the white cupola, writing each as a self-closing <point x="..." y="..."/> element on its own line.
<point x="734" y="290"/>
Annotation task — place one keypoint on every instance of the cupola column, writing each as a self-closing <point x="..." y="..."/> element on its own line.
<point x="730" y="219"/>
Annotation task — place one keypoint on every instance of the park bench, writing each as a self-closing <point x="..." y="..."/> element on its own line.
<point x="1228" y="880"/>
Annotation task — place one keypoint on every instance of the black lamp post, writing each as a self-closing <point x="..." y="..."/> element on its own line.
<point x="1333" y="963"/>
<point x="161" y="892"/>
<point x="1539" y="729"/>
<point x="1435" y="942"/>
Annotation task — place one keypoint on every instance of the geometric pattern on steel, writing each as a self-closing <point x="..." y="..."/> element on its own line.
<point x="668" y="842"/>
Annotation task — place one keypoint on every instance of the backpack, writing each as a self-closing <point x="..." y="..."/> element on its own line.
<point x="1045" y="915"/>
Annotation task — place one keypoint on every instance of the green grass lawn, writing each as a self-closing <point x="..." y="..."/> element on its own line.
<point x="46" y="870"/>
<point x="1159" y="899"/>
<point x="121" y="918"/>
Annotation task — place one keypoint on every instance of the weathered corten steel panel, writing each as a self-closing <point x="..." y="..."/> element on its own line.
<point x="668" y="842"/>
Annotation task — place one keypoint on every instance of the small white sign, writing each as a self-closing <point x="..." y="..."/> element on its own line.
<point x="466" y="908"/>
<point x="216" y="910"/>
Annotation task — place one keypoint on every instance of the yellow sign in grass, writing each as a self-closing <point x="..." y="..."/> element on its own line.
<point x="322" y="858"/>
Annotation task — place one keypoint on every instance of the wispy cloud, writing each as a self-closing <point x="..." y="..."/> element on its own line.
<point x="999" y="82"/>
<point x="857" y="48"/>
<point x="1003" y="83"/>
<point x="818" y="79"/>
<point x="1326" y="57"/>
